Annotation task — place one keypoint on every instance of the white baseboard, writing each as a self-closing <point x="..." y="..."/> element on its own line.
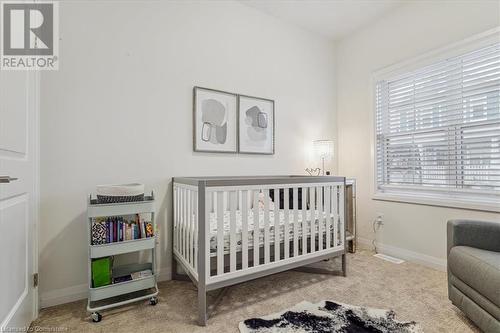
<point x="364" y="243"/>
<point x="420" y="258"/>
<point x="164" y="275"/>
<point x="79" y="292"/>
<point x="63" y="295"/>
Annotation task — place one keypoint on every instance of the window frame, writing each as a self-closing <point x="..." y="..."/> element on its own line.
<point x="443" y="197"/>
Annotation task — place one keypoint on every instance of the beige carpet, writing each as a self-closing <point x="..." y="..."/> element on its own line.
<point x="413" y="291"/>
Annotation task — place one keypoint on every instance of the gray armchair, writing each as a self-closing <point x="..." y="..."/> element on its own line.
<point x="474" y="271"/>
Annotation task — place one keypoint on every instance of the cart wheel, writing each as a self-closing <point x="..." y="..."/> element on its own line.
<point x="96" y="317"/>
<point x="153" y="300"/>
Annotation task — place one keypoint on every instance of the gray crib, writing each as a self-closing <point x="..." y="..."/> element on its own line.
<point x="228" y="230"/>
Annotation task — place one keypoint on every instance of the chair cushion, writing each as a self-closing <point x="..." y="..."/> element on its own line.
<point x="479" y="269"/>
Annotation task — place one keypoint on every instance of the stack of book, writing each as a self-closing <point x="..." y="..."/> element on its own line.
<point x="120" y="228"/>
<point x="133" y="276"/>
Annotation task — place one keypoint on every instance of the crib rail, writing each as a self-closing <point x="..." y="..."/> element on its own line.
<point x="226" y="229"/>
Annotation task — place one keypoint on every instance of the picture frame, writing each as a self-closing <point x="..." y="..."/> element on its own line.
<point x="215" y="121"/>
<point x="256" y="125"/>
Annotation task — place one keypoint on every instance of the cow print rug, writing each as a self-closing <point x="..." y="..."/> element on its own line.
<point x="328" y="316"/>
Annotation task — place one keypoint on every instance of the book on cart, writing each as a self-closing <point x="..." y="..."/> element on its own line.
<point x="113" y="229"/>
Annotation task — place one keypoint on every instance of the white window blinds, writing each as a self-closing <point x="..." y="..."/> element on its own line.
<point x="438" y="127"/>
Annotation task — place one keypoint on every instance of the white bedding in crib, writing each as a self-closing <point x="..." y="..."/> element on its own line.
<point x="315" y="214"/>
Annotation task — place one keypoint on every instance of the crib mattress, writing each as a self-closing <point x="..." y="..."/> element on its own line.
<point x="315" y="214"/>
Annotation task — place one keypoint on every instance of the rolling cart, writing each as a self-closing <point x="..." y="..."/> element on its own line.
<point x="115" y="294"/>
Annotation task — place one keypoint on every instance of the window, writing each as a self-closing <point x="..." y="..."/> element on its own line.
<point x="438" y="128"/>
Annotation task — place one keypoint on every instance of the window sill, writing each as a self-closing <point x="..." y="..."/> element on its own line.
<point x="440" y="200"/>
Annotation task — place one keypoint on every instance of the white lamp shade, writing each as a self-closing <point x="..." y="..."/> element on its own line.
<point x="323" y="148"/>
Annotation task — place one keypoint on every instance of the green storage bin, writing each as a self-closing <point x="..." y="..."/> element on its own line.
<point x="101" y="272"/>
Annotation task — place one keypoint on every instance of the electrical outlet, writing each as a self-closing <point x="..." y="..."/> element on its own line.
<point x="380" y="219"/>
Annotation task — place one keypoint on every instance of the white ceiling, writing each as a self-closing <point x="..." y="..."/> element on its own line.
<point x="334" y="19"/>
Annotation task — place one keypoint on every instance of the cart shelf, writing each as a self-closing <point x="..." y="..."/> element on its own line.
<point x="111" y="249"/>
<point x="118" y="209"/>
<point x="126" y="287"/>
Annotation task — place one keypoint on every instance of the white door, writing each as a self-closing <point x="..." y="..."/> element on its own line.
<point x="18" y="198"/>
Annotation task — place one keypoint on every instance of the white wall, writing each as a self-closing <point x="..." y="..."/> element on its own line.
<point x="120" y="109"/>
<point x="412" y="231"/>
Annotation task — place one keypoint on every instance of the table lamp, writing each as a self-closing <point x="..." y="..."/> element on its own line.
<point x="324" y="149"/>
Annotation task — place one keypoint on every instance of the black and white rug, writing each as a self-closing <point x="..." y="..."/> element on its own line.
<point x="328" y="316"/>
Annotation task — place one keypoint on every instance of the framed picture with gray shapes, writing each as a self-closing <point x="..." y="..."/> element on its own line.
<point x="256" y="125"/>
<point x="215" y="121"/>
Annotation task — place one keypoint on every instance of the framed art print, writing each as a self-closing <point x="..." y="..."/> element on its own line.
<point x="215" y="121"/>
<point x="256" y="125"/>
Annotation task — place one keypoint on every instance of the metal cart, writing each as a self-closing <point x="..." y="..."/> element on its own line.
<point x="114" y="295"/>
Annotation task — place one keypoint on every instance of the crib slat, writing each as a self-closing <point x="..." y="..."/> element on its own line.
<point x="244" y="230"/>
<point x="191" y="219"/>
<point x="341" y="214"/>
<point x="276" y="224"/>
<point x="186" y="226"/>
<point x="209" y="199"/>
<point x="190" y="229"/>
<point x="220" y="232"/>
<point x="319" y="191"/>
<point x="214" y="202"/>
<point x="181" y="218"/>
<point x="295" y="221"/>
<point x="183" y="222"/>
<point x="267" y="249"/>
<point x="312" y="210"/>
<point x="335" y="209"/>
<point x="232" y="231"/>
<point x="188" y="211"/>
<point x="328" y="216"/>
<point x="195" y="222"/>
<point x="256" y="223"/>
<point x="286" y="227"/>
<point x="176" y="211"/>
<point x="304" y="220"/>
<point x="335" y="202"/>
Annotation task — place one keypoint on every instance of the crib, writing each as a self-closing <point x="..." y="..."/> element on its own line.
<point x="228" y="230"/>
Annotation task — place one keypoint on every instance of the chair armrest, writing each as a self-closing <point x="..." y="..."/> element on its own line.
<point x="479" y="234"/>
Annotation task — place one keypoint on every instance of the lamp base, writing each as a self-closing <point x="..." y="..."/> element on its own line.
<point x="313" y="172"/>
